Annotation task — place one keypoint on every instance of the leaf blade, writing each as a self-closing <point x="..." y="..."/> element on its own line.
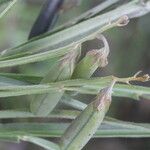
<point x="41" y="142"/>
<point x="107" y="129"/>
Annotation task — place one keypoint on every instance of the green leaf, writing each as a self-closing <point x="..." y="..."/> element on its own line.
<point x="22" y="77"/>
<point x="41" y="142"/>
<point x="109" y="128"/>
<point x="88" y="14"/>
<point x="45" y="103"/>
<point x="9" y="81"/>
<point x="60" y="114"/>
<point x="61" y="70"/>
<point x="69" y="101"/>
<point x="36" y="57"/>
<point x="80" y="32"/>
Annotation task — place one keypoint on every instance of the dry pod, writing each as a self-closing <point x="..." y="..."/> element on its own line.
<point x="93" y="59"/>
<point x="63" y="69"/>
<point x="85" y="125"/>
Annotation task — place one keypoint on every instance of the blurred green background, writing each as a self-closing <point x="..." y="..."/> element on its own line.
<point x="129" y="53"/>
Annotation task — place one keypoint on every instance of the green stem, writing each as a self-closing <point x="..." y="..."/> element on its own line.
<point x="90" y="86"/>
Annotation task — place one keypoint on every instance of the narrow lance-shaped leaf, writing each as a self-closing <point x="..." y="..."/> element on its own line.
<point x="74" y="103"/>
<point x="41" y="142"/>
<point x="85" y="125"/>
<point x="59" y="114"/>
<point x="22" y="77"/>
<point x="80" y="31"/>
<point x="10" y="81"/>
<point x="108" y="128"/>
<point x="51" y="53"/>
<point x="88" y="14"/>
<point x="61" y="70"/>
<point x="76" y="34"/>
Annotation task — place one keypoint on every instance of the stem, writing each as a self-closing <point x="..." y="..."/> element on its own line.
<point x="61" y="85"/>
<point x="90" y="86"/>
<point x="143" y="78"/>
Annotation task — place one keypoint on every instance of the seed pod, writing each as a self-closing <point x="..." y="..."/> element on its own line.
<point x="63" y="69"/>
<point x="93" y="59"/>
<point x="85" y="125"/>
